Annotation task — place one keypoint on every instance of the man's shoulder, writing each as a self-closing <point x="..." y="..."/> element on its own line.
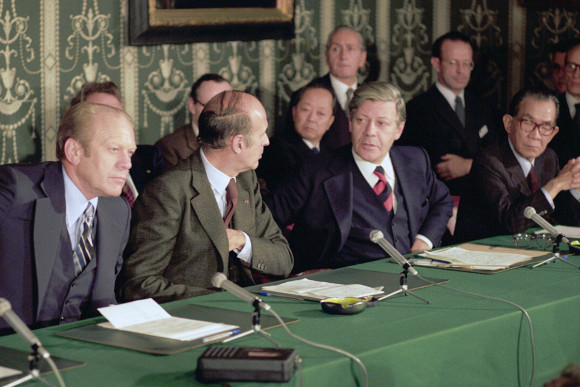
<point x="424" y="97"/>
<point x="32" y="172"/>
<point x="174" y="136"/>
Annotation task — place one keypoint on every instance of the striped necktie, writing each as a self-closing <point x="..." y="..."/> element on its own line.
<point x="383" y="188"/>
<point x="85" y="249"/>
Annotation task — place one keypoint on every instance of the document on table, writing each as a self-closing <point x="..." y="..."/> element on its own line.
<point x="567" y="231"/>
<point x="6" y="372"/>
<point x="316" y="290"/>
<point x="149" y="318"/>
<point x="479" y="260"/>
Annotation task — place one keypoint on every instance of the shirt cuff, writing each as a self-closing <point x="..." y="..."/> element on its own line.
<point x="548" y="198"/>
<point x="425" y="239"/>
<point x="245" y="254"/>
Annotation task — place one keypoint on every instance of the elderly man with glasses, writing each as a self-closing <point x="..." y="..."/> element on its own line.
<point x="518" y="173"/>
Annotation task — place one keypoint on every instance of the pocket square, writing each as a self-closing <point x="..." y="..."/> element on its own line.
<point x="483" y="131"/>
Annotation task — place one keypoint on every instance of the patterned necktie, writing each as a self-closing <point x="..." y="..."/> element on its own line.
<point x="383" y="188"/>
<point x="349" y="92"/>
<point x="85" y="249"/>
<point x="577" y="115"/>
<point x="533" y="180"/>
<point x="315" y="150"/>
<point x="128" y="194"/>
<point x="232" y="201"/>
<point x="460" y="110"/>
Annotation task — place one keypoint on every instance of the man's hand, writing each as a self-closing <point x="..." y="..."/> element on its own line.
<point x="453" y="166"/>
<point x="567" y="178"/>
<point x="236" y="239"/>
<point x="419" y="245"/>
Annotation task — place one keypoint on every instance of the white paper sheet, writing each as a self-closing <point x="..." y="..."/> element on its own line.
<point x="6" y="372"/>
<point x="317" y="289"/>
<point x="457" y="256"/>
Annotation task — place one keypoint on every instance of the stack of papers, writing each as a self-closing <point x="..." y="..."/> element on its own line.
<point x="567" y="231"/>
<point x="477" y="260"/>
<point x="149" y="318"/>
<point x="315" y="290"/>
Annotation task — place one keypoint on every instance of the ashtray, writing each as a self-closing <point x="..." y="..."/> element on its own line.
<point x="349" y="305"/>
<point x="574" y="247"/>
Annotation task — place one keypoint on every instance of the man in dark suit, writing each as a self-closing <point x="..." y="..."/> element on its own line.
<point x="181" y="143"/>
<point x="183" y="229"/>
<point x="44" y="275"/>
<point x="449" y="122"/>
<point x="340" y="197"/>
<point x="345" y="54"/>
<point x="147" y="162"/>
<point x="567" y="142"/>
<point x="518" y="173"/>
<point x="312" y="118"/>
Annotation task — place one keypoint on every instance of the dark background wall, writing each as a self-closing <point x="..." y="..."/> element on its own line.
<point x="49" y="48"/>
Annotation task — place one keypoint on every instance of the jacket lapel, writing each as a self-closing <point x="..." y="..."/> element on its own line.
<point x="339" y="189"/>
<point x="49" y="221"/>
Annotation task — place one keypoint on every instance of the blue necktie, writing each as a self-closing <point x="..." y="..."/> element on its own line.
<point x="85" y="249"/>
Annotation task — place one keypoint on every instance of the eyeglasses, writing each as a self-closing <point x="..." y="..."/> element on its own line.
<point x="456" y="63"/>
<point x="571" y="67"/>
<point x="528" y="126"/>
<point x="202" y="104"/>
<point x="524" y="240"/>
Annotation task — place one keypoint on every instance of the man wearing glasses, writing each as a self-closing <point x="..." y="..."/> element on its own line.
<point x="567" y="142"/>
<point x="448" y="121"/>
<point x="517" y="173"/>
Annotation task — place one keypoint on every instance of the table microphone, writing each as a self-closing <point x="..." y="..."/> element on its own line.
<point x="530" y="213"/>
<point x="219" y="280"/>
<point x="19" y="327"/>
<point x="378" y="238"/>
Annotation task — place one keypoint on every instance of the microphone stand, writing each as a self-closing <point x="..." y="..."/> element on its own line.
<point x="33" y="370"/>
<point x="405" y="287"/>
<point x="556" y="251"/>
<point x="256" y="327"/>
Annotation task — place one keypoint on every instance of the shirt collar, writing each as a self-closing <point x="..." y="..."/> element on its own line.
<point x="309" y="144"/>
<point x="367" y="169"/>
<point x="76" y="203"/>
<point x="340" y="89"/>
<point x="217" y="179"/>
<point x="524" y="163"/>
<point x="571" y="104"/>
<point x="449" y="95"/>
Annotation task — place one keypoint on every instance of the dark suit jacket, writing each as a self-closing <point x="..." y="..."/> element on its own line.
<point x="147" y="164"/>
<point x="177" y="146"/>
<point x="499" y="194"/>
<point x="282" y="157"/>
<point x="319" y="201"/>
<point x="178" y="238"/>
<point x="567" y="142"/>
<point x="433" y="124"/>
<point x="32" y="220"/>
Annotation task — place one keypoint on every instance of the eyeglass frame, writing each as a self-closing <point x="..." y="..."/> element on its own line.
<point x="536" y="237"/>
<point x="571" y="67"/>
<point x="452" y="62"/>
<point x="536" y="126"/>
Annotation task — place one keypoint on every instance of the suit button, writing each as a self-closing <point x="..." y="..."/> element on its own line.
<point x="73" y="285"/>
<point x="396" y="240"/>
<point x="61" y="318"/>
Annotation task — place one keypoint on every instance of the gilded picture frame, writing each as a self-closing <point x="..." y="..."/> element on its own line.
<point x="149" y="25"/>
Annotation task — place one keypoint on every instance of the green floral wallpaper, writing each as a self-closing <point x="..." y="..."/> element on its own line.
<point x="48" y="48"/>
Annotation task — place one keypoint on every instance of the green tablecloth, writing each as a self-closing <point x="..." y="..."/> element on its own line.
<point x="457" y="340"/>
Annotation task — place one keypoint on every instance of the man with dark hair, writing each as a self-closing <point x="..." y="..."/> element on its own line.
<point x="558" y="60"/>
<point x="312" y="116"/>
<point x="345" y="55"/>
<point x="517" y="173"/>
<point x="338" y="198"/>
<point x="448" y="121"/>
<point x="62" y="230"/>
<point x="181" y="144"/>
<point x="206" y="214"/>
<point x="147" y="162"/>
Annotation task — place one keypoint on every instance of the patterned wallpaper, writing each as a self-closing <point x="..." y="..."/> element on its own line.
<point x="49" y="48"/>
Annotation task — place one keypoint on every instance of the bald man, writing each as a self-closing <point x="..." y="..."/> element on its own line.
<point x="183" y="230"/>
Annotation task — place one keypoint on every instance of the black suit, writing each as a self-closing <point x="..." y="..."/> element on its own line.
<point x="147" y="164"/>
<point x="499" y="193"/>
<point x="567" y="142"/>
<point x="319" y="200"/>
<point x="433" y="124"/>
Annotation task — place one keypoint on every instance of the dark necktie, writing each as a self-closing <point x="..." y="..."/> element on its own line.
<point x="85" y="250"/>
<point x="460" y="110"/>
<point x="383" y="188"/>
<point x="577" y="115"/>
<point x="349" y="93"/>
<point x="128" y="194"/>
<point x="232" y="201"/>
<point x="315" y="150"/>
<point x="533" y="180"/>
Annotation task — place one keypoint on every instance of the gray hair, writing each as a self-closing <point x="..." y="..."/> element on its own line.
<point x="378" y="91"/>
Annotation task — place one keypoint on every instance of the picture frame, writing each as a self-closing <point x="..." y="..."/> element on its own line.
<point x="150" y="25"/>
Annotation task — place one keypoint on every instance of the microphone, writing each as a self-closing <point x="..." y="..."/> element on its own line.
<point x="219" y="280"/>
<point x="378" y="238"/>
<point x="20" y="327"/>
<point x="530" y="213"/>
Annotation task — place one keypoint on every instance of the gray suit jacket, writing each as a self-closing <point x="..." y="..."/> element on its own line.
<point x="32" y="222"/>
<point x="178" y="239"/>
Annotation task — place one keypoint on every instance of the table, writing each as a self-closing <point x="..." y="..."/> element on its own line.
<point x="457" y="340"/>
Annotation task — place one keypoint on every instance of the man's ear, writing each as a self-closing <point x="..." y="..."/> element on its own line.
<point x="238" y="143"/>
<point x="73" y="151"/>
<point x="436" y="63"/>
<point x="507" y="122"/>
<point x="191" y="105"/>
